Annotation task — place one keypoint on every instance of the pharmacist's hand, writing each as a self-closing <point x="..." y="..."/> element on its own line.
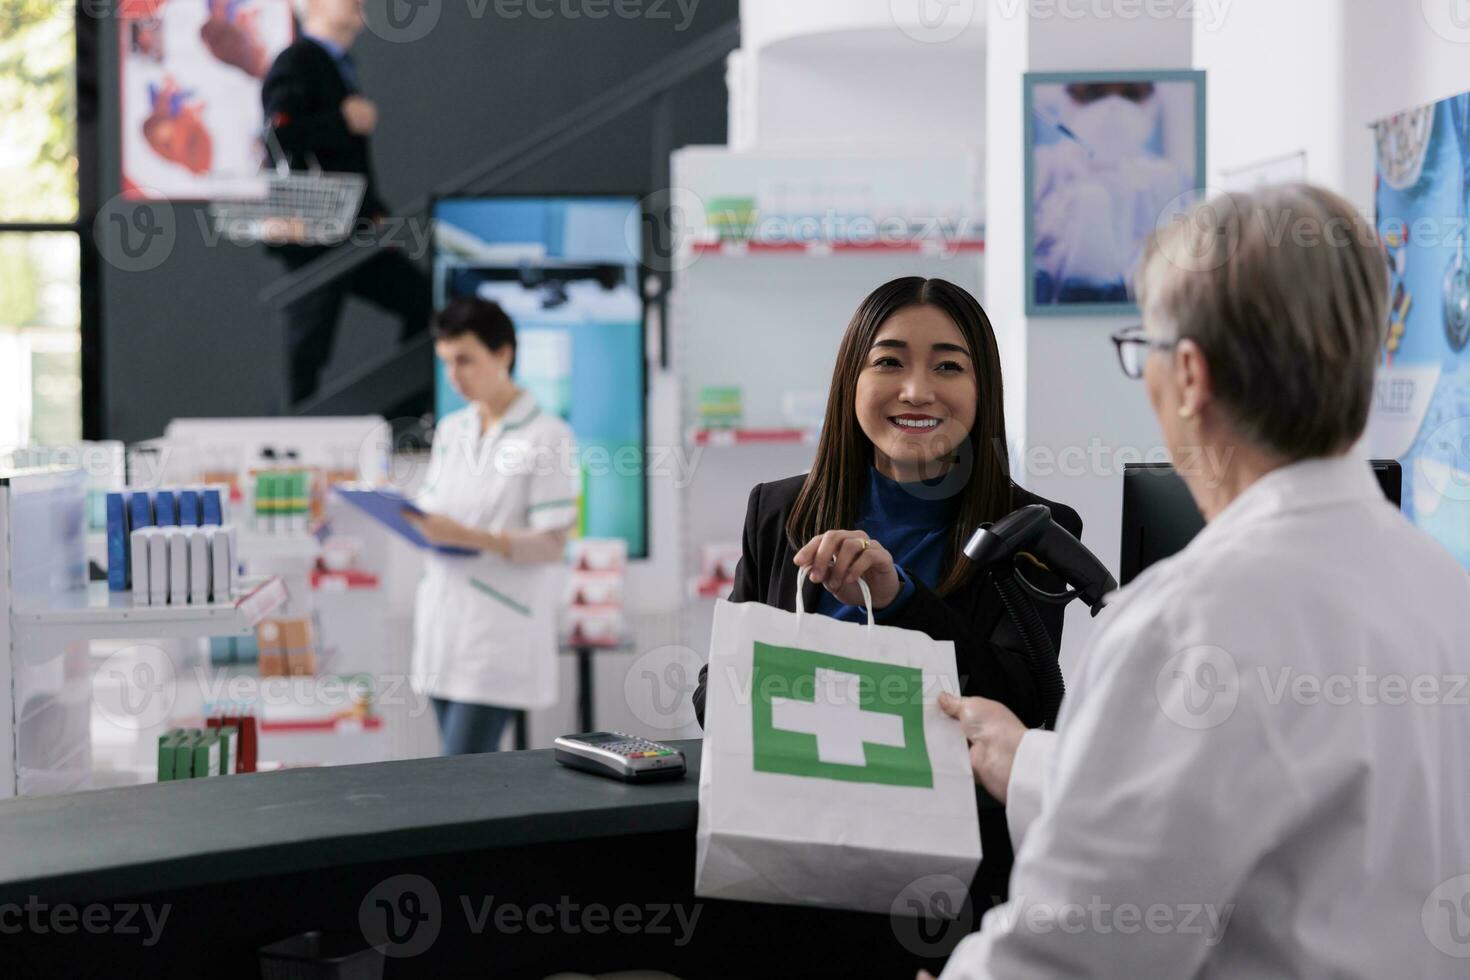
<point x="838" y="559"/>
<point x="440" y="530"/>
<point x="994" y="734"/>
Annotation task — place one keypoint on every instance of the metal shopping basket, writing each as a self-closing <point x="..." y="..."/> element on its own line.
<point x="292" y="207"/>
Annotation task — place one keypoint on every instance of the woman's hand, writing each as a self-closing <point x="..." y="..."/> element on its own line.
<point x="440" y="530"/>
<point x="446" y="532"/>
<point x="838" y="559"/>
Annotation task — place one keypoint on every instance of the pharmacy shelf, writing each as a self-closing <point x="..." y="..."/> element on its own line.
<point x="736" y="248"/>
<point x="351" y="580"/>
<point x="753" y="437"/>
<point x="323" y="726"/>
<point x="261" y="546"/>
<point x="325" y="742"/>
<point x="94" y="613"/>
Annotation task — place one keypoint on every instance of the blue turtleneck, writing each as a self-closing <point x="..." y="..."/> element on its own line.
<point x="914" y="522"/>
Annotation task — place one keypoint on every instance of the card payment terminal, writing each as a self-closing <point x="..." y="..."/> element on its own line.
<point x="620" y="756"/>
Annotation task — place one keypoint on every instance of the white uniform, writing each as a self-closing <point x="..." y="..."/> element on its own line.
<point x="485" y="630"/>
<point x="1265" y="750"/>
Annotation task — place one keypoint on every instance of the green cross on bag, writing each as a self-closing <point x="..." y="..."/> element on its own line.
<point x="831" y="717"/>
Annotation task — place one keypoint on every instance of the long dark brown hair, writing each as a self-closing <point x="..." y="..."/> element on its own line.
<point x="831" y="497"/>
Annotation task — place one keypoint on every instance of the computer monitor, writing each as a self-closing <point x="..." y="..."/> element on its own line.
<point x="1160" y="516"/>
<point x="567" y="269"/>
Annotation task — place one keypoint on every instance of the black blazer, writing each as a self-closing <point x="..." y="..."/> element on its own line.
<point x="302" y="97"/>
<point x="989" y="653"/>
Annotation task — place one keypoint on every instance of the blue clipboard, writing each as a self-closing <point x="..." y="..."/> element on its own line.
<point x="387" y="507"/>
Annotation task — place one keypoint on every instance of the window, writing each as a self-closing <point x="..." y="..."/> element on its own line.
<point x="40" y="234"/>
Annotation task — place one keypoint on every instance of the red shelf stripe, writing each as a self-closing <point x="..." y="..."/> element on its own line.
<point x="706" y="437"/>
<point x="371" y="724"/>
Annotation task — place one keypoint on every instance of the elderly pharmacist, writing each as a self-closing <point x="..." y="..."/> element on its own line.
<point x="485" y="627"/>
<point x="1255" y="833"/>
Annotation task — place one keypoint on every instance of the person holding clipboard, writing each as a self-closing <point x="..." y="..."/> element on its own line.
<point x="502" y="483"/>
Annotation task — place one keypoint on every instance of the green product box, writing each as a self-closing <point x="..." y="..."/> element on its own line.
<point x="271" y="493"/>
<point x="276" y="500"/>
<point x="168" y="744"/>
<point x="262" y="495"/>
<point x="228" y="743"/>
<point x="734" y="218"/>
<point x="206" y="754"/>
<point x="184" y="754"/>
<point x="721" y="407"/>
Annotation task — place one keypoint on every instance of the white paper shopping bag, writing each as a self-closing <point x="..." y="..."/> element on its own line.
<point x="829" y="775"/>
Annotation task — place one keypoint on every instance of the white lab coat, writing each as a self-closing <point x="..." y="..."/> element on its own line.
<point x="1273" y="831"/>
<point x="485" y="630"/>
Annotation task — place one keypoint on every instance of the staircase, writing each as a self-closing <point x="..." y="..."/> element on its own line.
<point x="407" y="372"/>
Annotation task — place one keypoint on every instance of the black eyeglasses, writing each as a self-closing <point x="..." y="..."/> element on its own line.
<point x="1133" y="346"/>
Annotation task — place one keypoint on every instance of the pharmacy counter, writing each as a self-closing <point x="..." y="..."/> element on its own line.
<point x="504" y="865"/>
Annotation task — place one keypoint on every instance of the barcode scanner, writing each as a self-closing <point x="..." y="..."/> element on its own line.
<point x="1031" y="531"/>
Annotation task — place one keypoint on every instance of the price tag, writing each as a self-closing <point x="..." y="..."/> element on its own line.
<point x="264" y="600"/>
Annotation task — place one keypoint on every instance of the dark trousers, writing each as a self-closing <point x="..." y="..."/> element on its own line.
<point x="470" y="728"/>
<point x="387" y="280"/>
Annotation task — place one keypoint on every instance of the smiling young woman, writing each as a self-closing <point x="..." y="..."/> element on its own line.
<point x="916" y="396"/>
<point x="912" y="458"/>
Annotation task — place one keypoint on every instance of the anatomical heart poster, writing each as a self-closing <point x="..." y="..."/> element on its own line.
<point x="190" y="77"/>
<point x="1421" y="407"/>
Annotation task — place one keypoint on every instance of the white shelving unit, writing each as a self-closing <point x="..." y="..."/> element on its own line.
<point x="94" y="613"/>
<point x="50" y="617"/>
<point x="765" y="310"/>
<point x="805" y="74"/>
<point x="350" y="624"/>
<point x="767" y="315"/>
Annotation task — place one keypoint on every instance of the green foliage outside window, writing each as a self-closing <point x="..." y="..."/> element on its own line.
<point x="40" y="272"/>
<point x="38" y="153"/>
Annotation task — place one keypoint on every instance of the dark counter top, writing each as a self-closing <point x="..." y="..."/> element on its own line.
<point x="108" y="843"/>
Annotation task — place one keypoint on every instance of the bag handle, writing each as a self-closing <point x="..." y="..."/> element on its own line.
<point x="801" y="577"/>
<point x="280" y="162"/>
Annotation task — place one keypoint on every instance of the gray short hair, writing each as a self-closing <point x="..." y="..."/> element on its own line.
<point x="1285" y="290"/>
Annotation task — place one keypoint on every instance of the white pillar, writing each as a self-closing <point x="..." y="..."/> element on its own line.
<point x="1069" y="409"/>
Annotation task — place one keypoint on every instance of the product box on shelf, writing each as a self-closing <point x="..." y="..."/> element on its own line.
<point x="595" y="592"/>
<point x="130" y="511"/>
<point x="287" y="647"/>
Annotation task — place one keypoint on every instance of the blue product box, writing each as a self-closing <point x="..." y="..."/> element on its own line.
<point x="117" y="543"/>
<point x="164" y="509"/>
<point x="213" y="509"/>
<point x="189" y="508"/>
<point x="140" y="510"/>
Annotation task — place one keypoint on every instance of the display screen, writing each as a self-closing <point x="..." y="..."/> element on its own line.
<point x="566" y="270"/>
